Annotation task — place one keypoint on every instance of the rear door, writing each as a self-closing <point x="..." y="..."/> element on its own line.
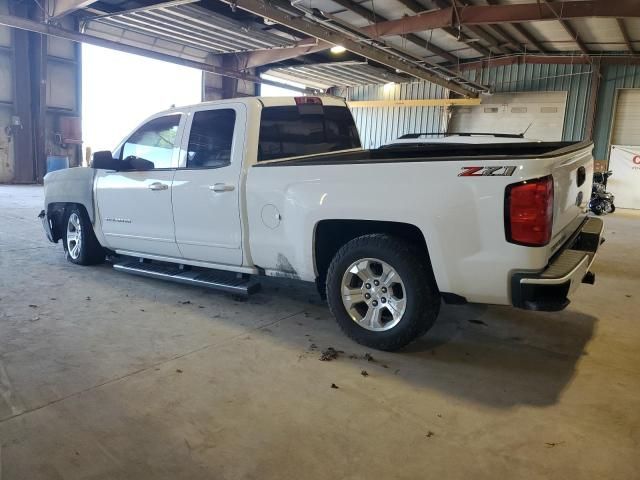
<point x="135" y="206"/>
<point x="206" y="187"/>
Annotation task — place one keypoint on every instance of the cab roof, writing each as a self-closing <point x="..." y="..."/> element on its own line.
<point x="264" y="101"/>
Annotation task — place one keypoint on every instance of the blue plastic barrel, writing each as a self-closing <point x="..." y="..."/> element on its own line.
<point x="57" y="162"/>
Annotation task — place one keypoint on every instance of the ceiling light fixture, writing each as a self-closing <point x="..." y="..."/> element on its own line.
<point x="337" y="49"/>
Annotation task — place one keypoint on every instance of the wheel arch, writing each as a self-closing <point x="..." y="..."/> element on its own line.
<point x="56" y="214"/>
<point x="331" y="234"/>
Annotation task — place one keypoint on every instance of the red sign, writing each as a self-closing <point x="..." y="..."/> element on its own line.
<point x="636" y="159"/>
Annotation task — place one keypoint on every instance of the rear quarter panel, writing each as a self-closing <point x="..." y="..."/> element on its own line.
<point x="461" y="218"/>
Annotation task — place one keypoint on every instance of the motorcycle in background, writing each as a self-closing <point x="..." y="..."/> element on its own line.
<point x="601" y="202"/>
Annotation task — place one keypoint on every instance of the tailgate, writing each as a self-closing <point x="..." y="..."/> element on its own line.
<point x="572" y="179"/>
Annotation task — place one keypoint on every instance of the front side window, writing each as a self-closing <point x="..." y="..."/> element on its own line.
<point x="211" y="138"/>
<point x="289" y="132"/>
<point x="154" y="141"/>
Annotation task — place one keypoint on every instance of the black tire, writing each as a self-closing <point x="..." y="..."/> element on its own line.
<point x="422" y="295"/>
<point x="89" y="251"/>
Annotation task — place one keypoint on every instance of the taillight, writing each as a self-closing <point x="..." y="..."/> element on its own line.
<point x="529" y="212"/>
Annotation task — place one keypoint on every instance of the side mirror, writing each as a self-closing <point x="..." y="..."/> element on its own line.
<point x="104" y="160"/>
<point x="137" y="163"/>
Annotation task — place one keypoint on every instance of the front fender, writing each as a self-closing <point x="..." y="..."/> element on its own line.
<point x="71" y="185"/>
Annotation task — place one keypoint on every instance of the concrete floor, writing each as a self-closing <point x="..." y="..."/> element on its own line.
<point x="105" y="375"/>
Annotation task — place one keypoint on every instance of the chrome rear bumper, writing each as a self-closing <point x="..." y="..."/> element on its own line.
<point x="548" y="290"/>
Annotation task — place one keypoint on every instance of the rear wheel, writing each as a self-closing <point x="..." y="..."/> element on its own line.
<point x="80" y="243"/>
<point x="382" y="292"/>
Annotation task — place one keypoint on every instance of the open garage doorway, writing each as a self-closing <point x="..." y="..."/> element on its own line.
<point x="273" y="91"/>
<point x="119" y="90"/>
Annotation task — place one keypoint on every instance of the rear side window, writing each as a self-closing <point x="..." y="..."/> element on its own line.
<point x="285" y="132"/>
<point x="211" y="138"/>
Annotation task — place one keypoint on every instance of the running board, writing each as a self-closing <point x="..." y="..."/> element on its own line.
<point x="230" y="282"/>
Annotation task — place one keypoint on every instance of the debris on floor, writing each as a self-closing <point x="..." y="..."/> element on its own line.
<point x="364" y="373"/>
<point x="33" y="305"/>
<point x="368" y="357"/>
<point x="333" y="385"/>
<point x="329" y="354"/>
<point x="178" y="370"/>
<point x="185" y="302"/>
<point x="552" y="444"/>
<point x="429" y="434"/>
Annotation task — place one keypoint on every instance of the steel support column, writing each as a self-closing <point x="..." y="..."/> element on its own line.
<point x="24" y="166"/>
<point x="593" y="99"/>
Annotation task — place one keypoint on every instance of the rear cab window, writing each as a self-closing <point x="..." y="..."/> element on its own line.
<point x="296" y="130"/>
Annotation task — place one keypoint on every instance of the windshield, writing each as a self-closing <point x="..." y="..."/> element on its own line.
<point x="288" y="132"/>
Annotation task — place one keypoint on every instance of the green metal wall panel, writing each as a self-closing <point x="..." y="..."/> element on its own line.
<point x="380" y="125"/>
<point x="613" y="78"/>
<point x="573" y="79"/>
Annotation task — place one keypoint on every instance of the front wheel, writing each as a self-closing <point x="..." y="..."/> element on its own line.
<point x="382" y="292"/>
<point x="80" y="243"/>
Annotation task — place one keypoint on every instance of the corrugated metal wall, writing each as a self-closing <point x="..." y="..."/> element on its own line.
<point x="35" y="122"/>
<point x="6" y="98"/>
<point x="613" y="78"/>
<point x="574" y="79"/>
<point x="378" y="126"/>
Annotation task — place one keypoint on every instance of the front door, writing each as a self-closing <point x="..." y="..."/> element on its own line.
<point x="135" y="206"/>
<point x="206" y="196"/>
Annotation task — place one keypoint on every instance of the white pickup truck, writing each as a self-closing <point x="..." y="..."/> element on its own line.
<point x="220" y="193"/>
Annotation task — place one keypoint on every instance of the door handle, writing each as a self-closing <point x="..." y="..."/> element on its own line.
<point x="222" y="187"/>
<point x="158" y="186"/>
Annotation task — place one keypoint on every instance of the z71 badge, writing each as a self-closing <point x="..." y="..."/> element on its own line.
<point x="487" y="171"/>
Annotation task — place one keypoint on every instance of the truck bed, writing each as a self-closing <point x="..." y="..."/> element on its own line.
<point x="421" y="152"/>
